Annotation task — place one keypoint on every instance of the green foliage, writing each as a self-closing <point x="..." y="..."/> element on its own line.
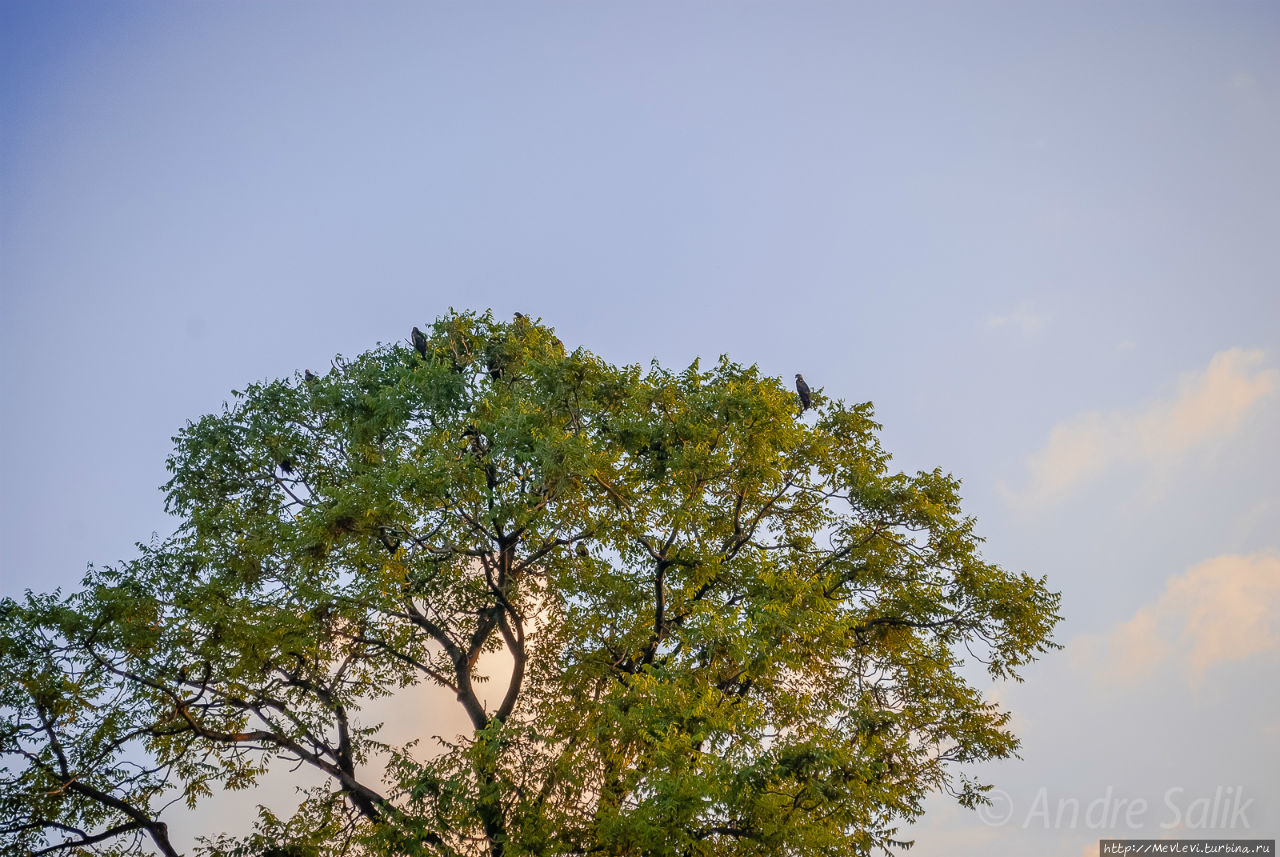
<point x="731" y="629"/>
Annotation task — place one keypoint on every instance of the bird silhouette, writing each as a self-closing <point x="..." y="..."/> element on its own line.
<point x="420" y="342"/>
<point x="388" y="538"/>
<point x="310" y="376"/>
<point x="495" y="360"/>
<point x="803" y="390"/>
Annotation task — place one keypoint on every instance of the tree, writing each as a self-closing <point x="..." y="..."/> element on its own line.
<point x="729" y="629"/>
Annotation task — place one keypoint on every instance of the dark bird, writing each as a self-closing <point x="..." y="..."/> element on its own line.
<point x="582" y="549"/>
<point x="803" y="390"/>
<point x="520" y="316"/>
<point x="286" y="465"/>
<point x="495" y="357"/>
<point x="309" y="376"/>
<point x="388" y="538"/>
<point x="496" y="366"/>
<point x="420" y="342"/>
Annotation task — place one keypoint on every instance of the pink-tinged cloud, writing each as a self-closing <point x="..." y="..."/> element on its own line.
<point x="1209" y="405"/>
<point x="1223" y="610"/>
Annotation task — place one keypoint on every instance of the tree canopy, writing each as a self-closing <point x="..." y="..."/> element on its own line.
<point x="721" y="625"/>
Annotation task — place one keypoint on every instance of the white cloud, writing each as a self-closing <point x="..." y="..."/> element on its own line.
<point x="1225" y="609"/>
<point x="1023" y="319"/>
<point x="1209" y="405"/>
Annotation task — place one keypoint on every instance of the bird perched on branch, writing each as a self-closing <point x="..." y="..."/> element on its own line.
<point x="389" y="539"/>
<point x="803" y="390"/>
<point x="419" y="342"/>
<point x="495" y="360"/>
<point x="310" y="376"/>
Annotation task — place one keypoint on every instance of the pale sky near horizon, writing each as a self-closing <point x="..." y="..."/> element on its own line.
<point x="1044" y="239"/>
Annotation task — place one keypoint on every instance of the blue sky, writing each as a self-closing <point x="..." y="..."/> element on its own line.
<point x="1042" y="238"/>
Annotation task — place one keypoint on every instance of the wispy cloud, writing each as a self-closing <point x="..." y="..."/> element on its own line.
<point x="1243" y="80"/>
<point x="1224" y="609"/>
<point x="1209" y="405"/>
<point x="1024" y="319"/>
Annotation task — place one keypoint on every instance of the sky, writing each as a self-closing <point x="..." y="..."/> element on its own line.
<point x="1044" y="240"/>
